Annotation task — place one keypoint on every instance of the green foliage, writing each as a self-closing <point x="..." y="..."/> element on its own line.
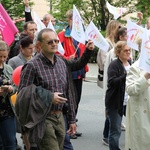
<point x="94" y="56"/>
<point x="143" y="6"/>
<point x="97" y="11"/>
<point x="15" y="9"/>
<point x="94" y="10"/>
<point x="60" y="7"/>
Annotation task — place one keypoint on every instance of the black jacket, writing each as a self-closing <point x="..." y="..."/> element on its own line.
<point x="116" y="86"/>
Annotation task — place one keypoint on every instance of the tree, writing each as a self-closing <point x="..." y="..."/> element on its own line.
<point x="60" y="7"/>
<point x="94" y="10"/>
<point x="15" y="9"/>
<point x="143" y="6"/>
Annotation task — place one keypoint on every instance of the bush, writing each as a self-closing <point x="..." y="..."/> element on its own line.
<point x="94" y="56"/>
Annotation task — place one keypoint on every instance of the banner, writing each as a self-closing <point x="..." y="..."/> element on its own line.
<point x="60" y="48"/>
<point x="116" y="12"/>
<point x="134" y="34"/>
<point x="7" y="26"/>
<point x="144" y="60"/>
<point x="93" y="34"/>
<point x="77" y="31"/>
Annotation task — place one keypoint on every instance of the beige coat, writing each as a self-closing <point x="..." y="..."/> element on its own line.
<point x="101" y="58"/>
<point x="138" y="110"/>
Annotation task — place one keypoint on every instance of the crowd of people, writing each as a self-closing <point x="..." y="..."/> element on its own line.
<point x="125" y="89"/>
<point x="50" y="88"/>
<point x="60" y="79"/>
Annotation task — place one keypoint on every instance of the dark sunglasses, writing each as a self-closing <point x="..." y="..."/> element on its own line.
<point x="50" y="42"/>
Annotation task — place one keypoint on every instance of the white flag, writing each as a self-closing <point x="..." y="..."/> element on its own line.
<point x="93" y="34"/>
<point x="39" y="23"/>
<point x="144" y="60"/>
<point x="134" y="33"/>
<point x="116" y="12"/>
<point x="60" y="48"/>
<point x="77" y="31"/>
<point x="50" y="26"/>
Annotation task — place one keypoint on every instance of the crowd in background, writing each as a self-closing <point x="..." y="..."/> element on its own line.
<point x="50" y="88"/>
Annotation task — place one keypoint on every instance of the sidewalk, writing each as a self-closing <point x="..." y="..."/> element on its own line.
<point x="93" y="71"/>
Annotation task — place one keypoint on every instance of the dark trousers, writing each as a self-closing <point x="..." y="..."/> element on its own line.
<point x="106" y="128"/>
<point x="78" y="86"/>
<point x="8" y="133"/>
<point x="114" y="129"/>
<point x="67" y="142"/>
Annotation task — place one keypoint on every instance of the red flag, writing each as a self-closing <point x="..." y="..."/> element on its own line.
<point x="7" y="26"/>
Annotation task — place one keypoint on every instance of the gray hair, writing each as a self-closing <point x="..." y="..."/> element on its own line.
<point x="3" y="46"/>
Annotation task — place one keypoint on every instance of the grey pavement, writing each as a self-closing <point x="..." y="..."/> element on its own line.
<point x="92" y="73"/>
<point x="91" y="117"/>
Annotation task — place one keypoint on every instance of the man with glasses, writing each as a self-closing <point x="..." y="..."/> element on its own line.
<point x="53" y="73"/>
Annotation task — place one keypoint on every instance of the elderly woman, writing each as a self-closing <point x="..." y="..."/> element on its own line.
<point x="116" y="91"/>
<point x="7" y="117"/>
<point x="138" y="109"/>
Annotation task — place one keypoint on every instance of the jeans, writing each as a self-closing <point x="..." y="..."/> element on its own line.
<point x="124" y="110"/>
<point x="8" y="133"/>
<point x="1" y="144"/>
<point x="106" y="128"/>
<point x="67" y="142"/>
<point x="114" y="129"/>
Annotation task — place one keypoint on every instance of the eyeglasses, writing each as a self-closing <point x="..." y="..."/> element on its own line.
<point x="127" y="50"/>
<point x="50" y="42"/>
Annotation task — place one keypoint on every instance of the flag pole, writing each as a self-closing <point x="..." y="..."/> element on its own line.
<point x="76" y="49"/>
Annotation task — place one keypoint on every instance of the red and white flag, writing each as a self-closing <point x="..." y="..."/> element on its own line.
<point x="93" y="34"/>
<point x="7" y="26"/>
<point x="144" y="60"/>
<point x="134" y="34"/>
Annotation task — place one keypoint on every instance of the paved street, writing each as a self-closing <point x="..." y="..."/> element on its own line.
<point x="91" y="116"/>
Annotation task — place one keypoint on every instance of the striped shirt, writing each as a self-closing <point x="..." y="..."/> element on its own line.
<point x="54" y="77"/>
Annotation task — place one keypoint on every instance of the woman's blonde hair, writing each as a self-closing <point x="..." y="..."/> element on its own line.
<point x="111" y="30"/>
<point x="119" y="46"/>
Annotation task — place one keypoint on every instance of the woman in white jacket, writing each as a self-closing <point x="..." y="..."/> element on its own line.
<point x="138" y="109"/>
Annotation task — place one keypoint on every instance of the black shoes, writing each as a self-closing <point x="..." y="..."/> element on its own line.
<point x="73" y="136"/>
<point x="105" y="141"/>
<point x="18" y="147"/>
<point x="76" y="135"/>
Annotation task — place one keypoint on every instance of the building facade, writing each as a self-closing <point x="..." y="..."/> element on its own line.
<point x="41" y="7"/>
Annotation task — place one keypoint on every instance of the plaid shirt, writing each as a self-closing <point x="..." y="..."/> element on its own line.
<point x="54" y="77"/>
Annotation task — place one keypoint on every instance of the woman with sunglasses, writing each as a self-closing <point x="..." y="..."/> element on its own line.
<point x="116" y="91"/>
